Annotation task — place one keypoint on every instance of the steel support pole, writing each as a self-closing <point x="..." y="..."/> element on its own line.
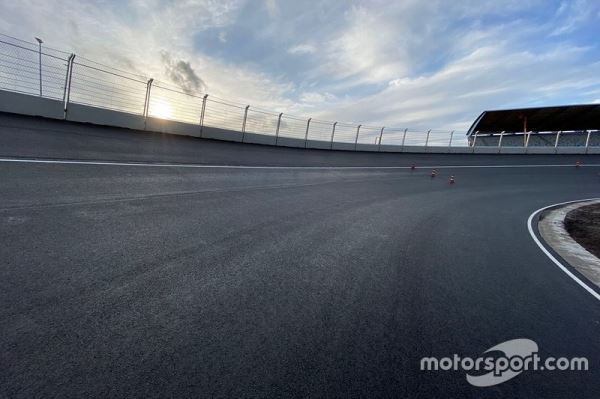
<point x="451" y="136"/>
<point x="67" y="89"/>
<point x="202" y="112"/>
<point x="587" y="141"/>
<point x="475" y="139"/>
<point x="557" y="139"/>
<point x="427" y="138"/>
<point x="244" y="122"/>
<point x="356" y="138"/>
<point x="306" y="134"/>
<point x="380" y="137"/>
<point x="277" y="129"/>
<point x="333" y="134"/>
<point x="40" y="63"/>
<point x="404" y="138"/>
<point x="147" y="99"/>
<point x="500" y="139"/>
<point x="527" y="136"/>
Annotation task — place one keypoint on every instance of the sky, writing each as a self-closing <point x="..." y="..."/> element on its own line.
<point x="412" y="63"/>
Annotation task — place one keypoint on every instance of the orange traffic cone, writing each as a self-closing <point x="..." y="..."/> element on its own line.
<point x="451" y="180"/>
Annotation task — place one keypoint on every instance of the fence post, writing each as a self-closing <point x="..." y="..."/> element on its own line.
<point x="306" y="134"/>
<point x="587" y="141"/>
<point x="527" y="136"/>
<point x="147" y="99"/>
<point x="333" y="134"/>
<point x="380" y="136"/>
<point x="67" y="90"/>
<point x="500" y="139"/>
<point x="244" y="122"/>
<point x="202" y="113"/>
<point x="427" y="138"/>
<point x="475" y="139"/>
<point x="451" y="136"/>
<point x="404" y="138"/>
<point x="556" y="141"/>
<point x="278" y="126"/>
<point x="40" y="61"/>
<point x="356" y="138"/>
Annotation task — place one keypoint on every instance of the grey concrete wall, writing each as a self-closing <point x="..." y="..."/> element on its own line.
<point x="172" y="127"/>
<point x="390" y="148"/>
<point x="107" y="117"/>
<point x="416" y="149"/>
<point x="25" y="104"/>
<point x="512" y="150"/>
<point x="343" y="146"/>
<point x="50" y="108"/>
<point x="486" y="150"/>
<point x="570" y="150"/>
<point x="290" y="142"/>
<point x="324" y="145"/>
<point x="593" y="150"/>
<point x="541" y="150"/>
<point x="209" y="132"/>
<point x="460" y="150"/>
<point x="256" y="138"/>
<point x="367" y="147"/>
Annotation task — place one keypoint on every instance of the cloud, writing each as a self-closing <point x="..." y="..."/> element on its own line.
<point x="302" y="49"/>
<point x="572" y="15"/>
<point x="182" y="74"/>
<point x="409" y="63"/>
<point x="272" y="8"/>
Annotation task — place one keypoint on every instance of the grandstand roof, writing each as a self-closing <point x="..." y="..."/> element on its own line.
<point x="543" y="119"/>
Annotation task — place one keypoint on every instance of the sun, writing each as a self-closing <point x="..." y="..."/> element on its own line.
<point x="162" y="109"/>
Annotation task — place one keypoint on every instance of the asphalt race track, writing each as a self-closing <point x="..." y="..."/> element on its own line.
<point x="173" y="281"/>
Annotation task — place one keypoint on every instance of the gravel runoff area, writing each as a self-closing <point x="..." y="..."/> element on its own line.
<point x="583" y="224"/>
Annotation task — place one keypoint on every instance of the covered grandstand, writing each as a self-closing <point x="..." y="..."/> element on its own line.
<point x="559" y="126"/>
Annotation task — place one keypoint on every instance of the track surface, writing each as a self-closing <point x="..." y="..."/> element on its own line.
<point x="166" y="281"/>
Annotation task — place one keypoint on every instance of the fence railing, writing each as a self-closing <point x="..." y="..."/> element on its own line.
<point x="35" y="69"/>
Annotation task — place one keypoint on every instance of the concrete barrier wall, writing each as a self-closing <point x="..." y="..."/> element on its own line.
<point x="367" y="147"/>
<point x="416" y="149"/>
<point x="461" y="150"/>
<point x="323" y="145"/>
<point x="570" y="150"/>
<point x="256" y="138"/>
<point x="172" y="127"/>
<point x="485" y="150"/>
<point x="390" y="148"/>
<point x="290" y="142"/>
<point x="512" y="150"/>
<point x="541" y="150"/>
<point x="343" y="146"/>
<point x="101" y="116"/>
<point x="209" y="132"/>
<point x="25" y="104"/>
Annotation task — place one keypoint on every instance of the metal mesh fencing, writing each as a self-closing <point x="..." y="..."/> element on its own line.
<point x="35" y="69"/>
<point x="169" y="103"/>
<point x="106" y="89"/>
<point x="261" y="122"/>
<point x="368" y="135"/>
<point x="25" y="68"/>
<point x="293" y="127"/>
<point x="223" y="115"/>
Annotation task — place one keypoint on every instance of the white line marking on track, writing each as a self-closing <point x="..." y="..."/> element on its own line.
<point x="183" y="165"/>
<point x="552" y="258"/>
